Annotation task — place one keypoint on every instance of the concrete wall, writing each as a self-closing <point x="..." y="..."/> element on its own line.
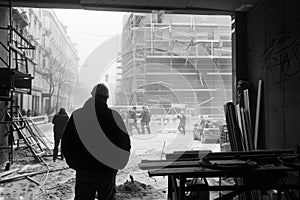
<point x="273" y="54"/>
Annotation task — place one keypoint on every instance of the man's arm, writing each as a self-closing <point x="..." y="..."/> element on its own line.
<point x="54" y="119"/>
<point x="121" y="125"/>
<point x="142" y="114"/>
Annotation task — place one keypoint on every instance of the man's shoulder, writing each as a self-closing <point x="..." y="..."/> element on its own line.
<point x="114" y="112"/>
<point x="76" y="111"/>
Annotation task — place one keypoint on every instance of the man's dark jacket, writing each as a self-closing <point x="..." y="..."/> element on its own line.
<point x="77" y="156"/>
<point x="60" y="121"/>
<point x="146" y="116"/>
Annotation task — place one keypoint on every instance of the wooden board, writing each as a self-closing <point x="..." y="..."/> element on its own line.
<point x="249" y="130"/>
<point x="246" y="101"/>
<point x="230" y="128"/>
<point x="160" y="165"/>
<point x="257" y="113"/>
<point x="245" y="130"/>
<point x="238" y="112"/>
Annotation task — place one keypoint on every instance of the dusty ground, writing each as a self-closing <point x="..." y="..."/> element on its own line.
<point x="60" y="184"/>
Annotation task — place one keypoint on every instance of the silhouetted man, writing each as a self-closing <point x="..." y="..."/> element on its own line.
<point x="132" y="121"/>
<point x="181" y="126"/>
<point x="96" y="144"/>
<point x="60" y="121"/>
<point x="145" y="119"/>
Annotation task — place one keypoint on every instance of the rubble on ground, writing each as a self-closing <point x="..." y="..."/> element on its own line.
<point x="137" y="190"/>
<point x="59" y="185"/>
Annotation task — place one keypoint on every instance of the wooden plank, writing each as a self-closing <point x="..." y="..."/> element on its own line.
<point x="245" y="130"/>
<point x="238" y="112"/>
<point x="31" y="179"/>
<point x="206" y="172"/>
<point x="246" y="101"/>
<point x="158" y="164"/>
<point x="184" y="155"/>
<point x="260" y="156"/>
<point x="242" y="127"/>
<point x="248" y="118"/>
<point x="180" y="156"/>
<point x="6" y="173"/>
<point x="22" y="176"/>
<point x="230" y="128"/>
<point x="237" y="133"/>
<point x="257" y="114"/>
<point x="192" y="152"/>
<point x="249" y="130"/>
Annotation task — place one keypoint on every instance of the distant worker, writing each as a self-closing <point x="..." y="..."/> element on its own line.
<point x="96" y="144"/>
<point x="181" y="126"/>
<point x="28" y="113"/>
<point x="132" y="121"/>
<point x="145" y="119"/>
<point x="23" y="112"/>
<point x="60" y="121"/>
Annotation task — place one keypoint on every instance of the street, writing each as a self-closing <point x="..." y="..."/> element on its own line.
<point x="60" y="184"/>
<point x="150" y="146"/>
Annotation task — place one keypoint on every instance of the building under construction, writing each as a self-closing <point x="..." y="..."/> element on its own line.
<point x="172" y="62"/>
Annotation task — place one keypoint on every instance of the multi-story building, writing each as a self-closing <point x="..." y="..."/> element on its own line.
<point x="176" y="62"/>
<point x="55" y="57"/>
<point x="62" y="54"/>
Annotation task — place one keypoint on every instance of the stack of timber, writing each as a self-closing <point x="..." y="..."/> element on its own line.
<point x="238" y="118"/>
<point x="241" y="136"/>
<point x="207" y="162"/>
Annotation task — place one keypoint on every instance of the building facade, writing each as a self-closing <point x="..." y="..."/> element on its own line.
<point x="56" y="61"/>
<point x="176" y="62"/>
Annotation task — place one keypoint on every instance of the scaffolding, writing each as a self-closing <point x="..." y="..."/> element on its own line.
<point x="15" y="74"/>
<point x="176" y="59"/>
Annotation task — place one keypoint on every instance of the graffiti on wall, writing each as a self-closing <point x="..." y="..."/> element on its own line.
<point x="282" y="54"/>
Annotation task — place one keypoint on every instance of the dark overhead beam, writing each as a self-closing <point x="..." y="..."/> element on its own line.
<point x="176" y="6"/>
<point x="171" y="11"/>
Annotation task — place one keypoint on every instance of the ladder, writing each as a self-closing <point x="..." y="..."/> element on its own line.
<point x="36" y="143"/>
<point x="34" y="129"/>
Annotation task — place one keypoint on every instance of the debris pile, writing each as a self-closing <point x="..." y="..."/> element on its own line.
<point x="134" y="189"/>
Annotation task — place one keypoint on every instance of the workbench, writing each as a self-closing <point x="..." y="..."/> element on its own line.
<point x="263" y="176"/>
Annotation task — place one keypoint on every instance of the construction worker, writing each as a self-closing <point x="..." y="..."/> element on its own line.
<point x="28" y="113"/>
<point x="132" y="121"/>
<point x="60" y="121"/>
<point x="23" y="112"/>
<point x="96" y="144"/>
<point x="181" y="126"/>
<point x="145" y="119"/>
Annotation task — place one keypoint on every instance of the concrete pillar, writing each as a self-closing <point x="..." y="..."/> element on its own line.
<point x="239" y="50"/>
<point x="3" y="54"/>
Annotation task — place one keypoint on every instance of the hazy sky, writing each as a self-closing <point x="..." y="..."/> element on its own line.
<point x="88" y="29"/>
